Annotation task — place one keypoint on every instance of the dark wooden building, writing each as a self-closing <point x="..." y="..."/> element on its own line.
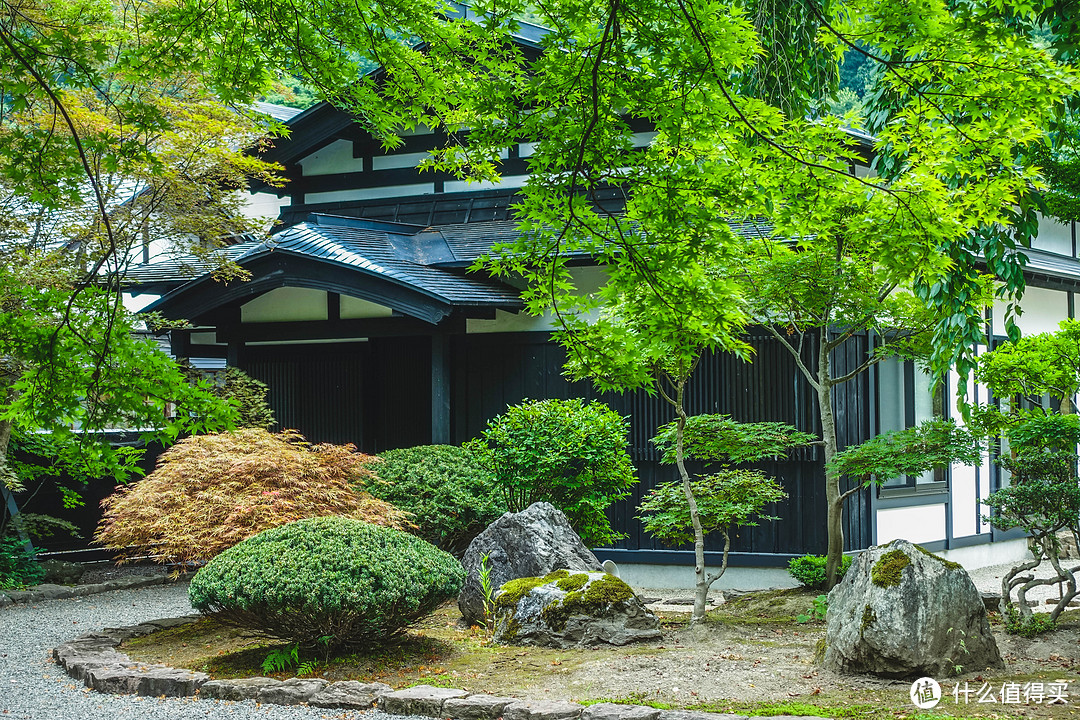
<point x="363" y="319"/>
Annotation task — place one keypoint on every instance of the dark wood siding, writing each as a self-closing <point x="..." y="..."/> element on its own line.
<point x="494" y="371"/>
<point x="377" y="394"/>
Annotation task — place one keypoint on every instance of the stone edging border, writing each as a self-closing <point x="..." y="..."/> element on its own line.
<point x="94" y="659"/>
<point x="57" y="592"/>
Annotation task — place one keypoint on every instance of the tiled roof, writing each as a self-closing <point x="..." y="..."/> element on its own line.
<point x="403" y="254"/>
<point x="177" y="271"/>
<point x="284" y="113"/>
<point x="390" y="255"/>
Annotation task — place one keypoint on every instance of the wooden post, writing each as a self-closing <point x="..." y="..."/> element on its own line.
<point x="440" y="390"/>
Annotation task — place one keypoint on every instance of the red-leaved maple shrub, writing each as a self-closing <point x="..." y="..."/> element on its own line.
<point x="209" y="492"/>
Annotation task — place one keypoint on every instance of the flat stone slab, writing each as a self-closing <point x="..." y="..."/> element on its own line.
<point x="49" y="591"/>
<point x="615" y="711"/>
<point x="541" y="710"/>
<point x="691" y="715"/>
<point x="350" y="695"/>
<point x="476" y="707"/>
<point x="291" y="692"/>
<point x="239" y="689"/>
<point x="419" y="700"/>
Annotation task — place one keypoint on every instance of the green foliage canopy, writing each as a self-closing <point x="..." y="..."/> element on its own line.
<point x="728" y="499"/>
<point x="912" y="451"/>
<point x="719" y="438"/>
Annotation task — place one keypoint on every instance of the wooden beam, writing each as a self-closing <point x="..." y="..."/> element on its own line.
<point x="331" y="329"/>
<point x="440" y="390"/>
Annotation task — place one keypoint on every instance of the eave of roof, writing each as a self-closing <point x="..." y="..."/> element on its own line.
<point x="372" y="260"/>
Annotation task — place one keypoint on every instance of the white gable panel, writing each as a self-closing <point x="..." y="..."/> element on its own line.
<point x="284" y="305"/>
<point x="337" y="157"/>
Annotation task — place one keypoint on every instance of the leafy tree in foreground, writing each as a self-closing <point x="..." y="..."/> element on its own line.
<point x="725" y="499"/>
<point x="106" y="142"/>
<point x="209" y="492"/>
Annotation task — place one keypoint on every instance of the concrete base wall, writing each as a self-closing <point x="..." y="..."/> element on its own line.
<point x="680" y="577"/>
<point x="998" y="553"/>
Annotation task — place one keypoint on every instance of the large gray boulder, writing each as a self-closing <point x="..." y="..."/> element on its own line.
<point x="566" y="609"/>
<point x="531" y="543"/>
<point x="903" y="612"/>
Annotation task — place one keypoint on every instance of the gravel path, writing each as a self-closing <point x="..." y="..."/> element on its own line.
<point x="32" y="687"/>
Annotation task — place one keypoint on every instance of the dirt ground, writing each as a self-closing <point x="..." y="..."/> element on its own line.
<point x="750" y="656"/>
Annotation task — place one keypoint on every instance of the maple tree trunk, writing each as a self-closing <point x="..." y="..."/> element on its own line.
<point x="834" y="522"/>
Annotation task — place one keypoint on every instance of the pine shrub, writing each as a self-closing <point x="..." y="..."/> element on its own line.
<point x="327" y="582"/>
<point x="451" y="495"/>
<point x="209" y="492"/>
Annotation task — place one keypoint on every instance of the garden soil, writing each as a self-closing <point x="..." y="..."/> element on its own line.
<point x="750" y="653"/>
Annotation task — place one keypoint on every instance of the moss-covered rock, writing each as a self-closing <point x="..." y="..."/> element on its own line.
<point x="564" y="609"/>
<point x="902" y="612"/>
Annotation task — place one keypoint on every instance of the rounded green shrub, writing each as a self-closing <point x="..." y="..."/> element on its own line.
<point x="450" y="493"/>
<point x="569" y="453"/>
<point x="330" y="582"/>
<point x="810" y="570"/>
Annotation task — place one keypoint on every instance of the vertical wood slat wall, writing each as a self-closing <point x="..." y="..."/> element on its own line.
<point x="377" y="395"/>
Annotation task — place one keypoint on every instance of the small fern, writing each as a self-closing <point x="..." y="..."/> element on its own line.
<point x="308" y="667"/>
<point x="281" y="659"/>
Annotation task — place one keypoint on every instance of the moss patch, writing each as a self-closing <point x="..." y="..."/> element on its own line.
<point x="513" y="590"/>
<point x="888" y="571"/>
<point x="948" y="563"/>
<point x="572" y="583"/>
<point x="591" y="598"/>
<point x="868" y="617"/>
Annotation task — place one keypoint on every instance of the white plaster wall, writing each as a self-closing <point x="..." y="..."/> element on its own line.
<point x="373" y="193"/>
<point x="284" y="305"/>
<point x="979" y="556"/>
<point x="679" y="577"/>
<point x="587" y="279"/>
<point x="919" y="524"/>
<point x="337" y="157"/>
<point x="506" y="181"/>
<point x="1054" y="236"/>
<point x="641" y="139"/>
<point x="353" y="308"/>
<point x="399" y="160"/>
<point x="963" y="501"/>
<point x="135" y="303"/>
<point x="1043" y="310"/>
<point x="264" y="205"/>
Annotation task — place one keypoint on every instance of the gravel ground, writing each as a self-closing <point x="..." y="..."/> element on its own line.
<point x="32" y="687"/>
<point x="988" y="579"/>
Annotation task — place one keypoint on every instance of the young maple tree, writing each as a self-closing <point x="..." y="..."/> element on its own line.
<point x="724" y="499"/>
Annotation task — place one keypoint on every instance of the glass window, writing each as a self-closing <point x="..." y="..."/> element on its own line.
<point x="906" y="397"/>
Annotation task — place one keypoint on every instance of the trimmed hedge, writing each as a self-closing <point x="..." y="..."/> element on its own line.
<point x="451" y="495"/>
<point x="327" y="582"/>
<point x="810" y="570"/>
